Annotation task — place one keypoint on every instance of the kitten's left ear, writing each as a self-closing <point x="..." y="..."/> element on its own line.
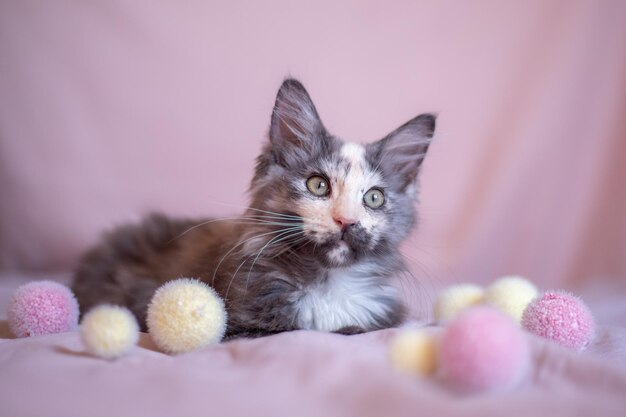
<point x="401" y="153"/>
<point x="296" y="128"/>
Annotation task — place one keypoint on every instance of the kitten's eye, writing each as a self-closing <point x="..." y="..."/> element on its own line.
<point x="318" y="186"/>
<point x="374" y="198"/>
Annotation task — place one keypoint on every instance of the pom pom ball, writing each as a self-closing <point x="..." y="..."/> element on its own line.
<point x="184" y="315"/>
<point x="109" y="331"/>
<point x="414" y="351"/>
<point x="483" y="349"/>
<point x="42" y="307"/>
<point x="455" y="299"/>
<point x="561" y="317"/>
<point x="511" y="295"/>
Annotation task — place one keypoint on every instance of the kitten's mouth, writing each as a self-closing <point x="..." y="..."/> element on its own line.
<point x="343" y="240"/>
<point x="350" y="239"/>
<point x="341" y="248"/>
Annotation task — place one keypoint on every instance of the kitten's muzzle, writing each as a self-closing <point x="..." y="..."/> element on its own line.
<point x="344" y="223"/>
<point x="355" y="236"/>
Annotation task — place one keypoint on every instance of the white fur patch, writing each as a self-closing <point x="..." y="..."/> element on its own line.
<point x="345" y="298"/>
<point x="353" y="152"/>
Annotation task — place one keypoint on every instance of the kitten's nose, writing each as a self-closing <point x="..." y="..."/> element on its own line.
<point x="343" y="222"/>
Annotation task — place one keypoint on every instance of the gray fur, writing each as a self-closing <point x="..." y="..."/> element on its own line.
<point x="263" y="272"/>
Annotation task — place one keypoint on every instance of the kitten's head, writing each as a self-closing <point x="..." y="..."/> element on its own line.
<point x="351" y="201"/>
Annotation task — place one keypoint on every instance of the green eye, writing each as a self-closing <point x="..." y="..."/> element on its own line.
<point x="318" y="186"/>
<point x="374" y="198"/>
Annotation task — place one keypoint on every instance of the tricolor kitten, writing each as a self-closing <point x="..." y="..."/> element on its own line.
<point x="316" y="249"/>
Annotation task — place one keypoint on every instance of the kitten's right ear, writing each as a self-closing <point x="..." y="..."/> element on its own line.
<point x="296" y="128"/>
<point x="401" y="153"/>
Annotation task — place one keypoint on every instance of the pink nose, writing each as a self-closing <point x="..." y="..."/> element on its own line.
<point x="343" y="222"/>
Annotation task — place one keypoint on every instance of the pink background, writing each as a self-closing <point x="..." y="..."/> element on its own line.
<point x="111" y="109"/>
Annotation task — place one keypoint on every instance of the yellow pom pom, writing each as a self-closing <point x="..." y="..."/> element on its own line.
<point x="511" y="295"/>
<point x="414" y="351"/>
<point x="185" y="315"/>
<point x="109" y="331"/>
<point x="455" y="299"/>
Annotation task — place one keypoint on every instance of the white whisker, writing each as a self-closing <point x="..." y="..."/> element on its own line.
<point x="274" y="240"/>
<point x="266" y="220"/>
<point x="242" y="243"/>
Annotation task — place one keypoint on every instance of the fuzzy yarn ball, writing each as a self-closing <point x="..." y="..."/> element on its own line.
<point x="561" y="317"/>
<point x="414" y="351"/>
<point x="483" y="349"/>
<point x="455" y="299"/>
<point x="511" y="295"/>
<point x="109" y="331"/>
<point x="184" y="315"/>
<point x="42" y="307"/>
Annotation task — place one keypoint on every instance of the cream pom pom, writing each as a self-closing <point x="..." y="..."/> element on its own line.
<point x="414" y="351"/>
<point x="109" y="331"/>
<point x="511" y="294"/>
<point x="185" y="315"/>
<point x="455" y="299"/>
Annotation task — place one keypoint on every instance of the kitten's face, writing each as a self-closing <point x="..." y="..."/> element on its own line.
<point x="342" y="204"/>
<point x="354" y="201"/>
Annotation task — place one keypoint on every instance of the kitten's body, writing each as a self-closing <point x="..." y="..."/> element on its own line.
<point x="295" y="259"/>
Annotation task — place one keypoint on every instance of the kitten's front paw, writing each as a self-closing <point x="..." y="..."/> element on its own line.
<point x="349" y="330"/>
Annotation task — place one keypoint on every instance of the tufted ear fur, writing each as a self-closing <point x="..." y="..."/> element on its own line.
<point x="296" y="131"/>
<point x="400" y="153"/>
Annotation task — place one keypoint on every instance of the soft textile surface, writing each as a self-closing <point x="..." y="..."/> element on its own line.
<point x="299" y="373"/>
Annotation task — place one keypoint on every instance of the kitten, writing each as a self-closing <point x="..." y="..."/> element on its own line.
<point x="316" y="249"/>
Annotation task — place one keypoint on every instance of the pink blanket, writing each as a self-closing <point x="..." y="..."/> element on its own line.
<point x="299" y="373"/>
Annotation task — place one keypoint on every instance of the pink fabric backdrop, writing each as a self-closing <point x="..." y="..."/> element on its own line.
<point x="111" y="109"/>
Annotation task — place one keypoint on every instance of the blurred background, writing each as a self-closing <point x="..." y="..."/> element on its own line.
<point x="112" y="109"/>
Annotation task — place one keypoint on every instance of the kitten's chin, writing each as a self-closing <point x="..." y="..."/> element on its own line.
<point x="340" y="254"/>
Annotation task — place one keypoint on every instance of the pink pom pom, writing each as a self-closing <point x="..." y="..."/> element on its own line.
<point x="42" y="307"/>
<point x="483" y="349"/>
<point x="561" y="317"/>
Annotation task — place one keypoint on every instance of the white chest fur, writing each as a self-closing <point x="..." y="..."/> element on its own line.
<point x="348" y="297"/>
